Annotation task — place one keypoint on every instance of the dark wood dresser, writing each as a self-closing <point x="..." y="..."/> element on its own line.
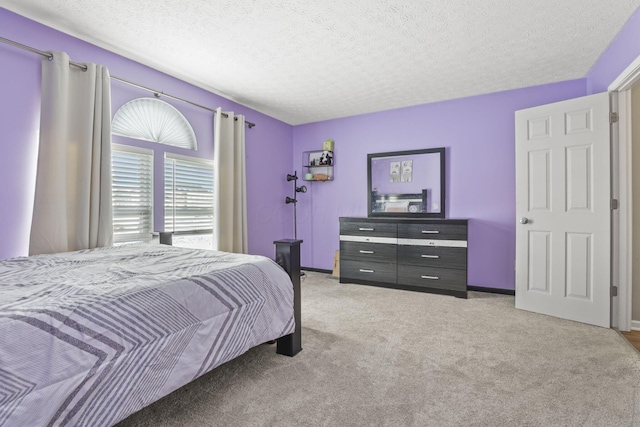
<point x="427" y="255"/>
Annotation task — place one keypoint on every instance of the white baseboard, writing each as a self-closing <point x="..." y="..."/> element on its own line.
<point x="635" y="325"/>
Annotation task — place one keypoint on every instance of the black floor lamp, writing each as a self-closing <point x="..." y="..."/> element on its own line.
<point x="296" y="189"/>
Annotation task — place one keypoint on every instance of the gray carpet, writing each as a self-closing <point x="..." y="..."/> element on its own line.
<point x="382" y="357"/>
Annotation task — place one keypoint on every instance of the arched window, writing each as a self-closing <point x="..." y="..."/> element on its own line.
<point x="154" y="120"/>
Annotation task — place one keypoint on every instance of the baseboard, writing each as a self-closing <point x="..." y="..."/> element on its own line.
<point x="511" y="292"/>
<point x="458" y="294"/>
<point x="317" y="270"/>
<point x="635" y="325"/>
<point x="469" y="288"/>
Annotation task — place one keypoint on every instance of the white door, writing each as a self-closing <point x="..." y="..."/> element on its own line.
<point x="563" y="210"/>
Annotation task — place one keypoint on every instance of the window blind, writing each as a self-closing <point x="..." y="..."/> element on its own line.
<point x="155" y="120"/>
<point x="188" y="194"/>
<point x="132" y="194"/>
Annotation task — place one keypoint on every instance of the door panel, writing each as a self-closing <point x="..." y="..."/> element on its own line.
<point x="539" y="261"/>
<point x="540" y="180"/>
<point x="579" y="179"/>
<point x="563" y="209"/>
<point x="579" y="268"/>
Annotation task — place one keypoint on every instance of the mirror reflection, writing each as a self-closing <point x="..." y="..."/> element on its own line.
<point x="407" y="183"/>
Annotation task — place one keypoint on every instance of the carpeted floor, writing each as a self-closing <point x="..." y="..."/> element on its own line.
<point x="382" y="357"/>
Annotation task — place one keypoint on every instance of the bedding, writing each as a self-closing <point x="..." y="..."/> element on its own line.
<point x="89" y="337"/>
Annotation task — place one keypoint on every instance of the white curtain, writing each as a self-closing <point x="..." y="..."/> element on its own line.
<point x="229" y="184"/>
<point x="73" y="207"/>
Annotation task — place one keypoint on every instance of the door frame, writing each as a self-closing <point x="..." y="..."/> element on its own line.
<point x="621" y="189"/>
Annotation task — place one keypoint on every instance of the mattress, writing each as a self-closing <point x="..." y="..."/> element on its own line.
<point x="89" y="337"/>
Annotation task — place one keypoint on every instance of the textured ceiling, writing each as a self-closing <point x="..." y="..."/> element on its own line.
<point x="303" y="61"/>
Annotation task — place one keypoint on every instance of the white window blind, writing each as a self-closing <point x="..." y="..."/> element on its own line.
<point x="132" y="194"/>
<point x="151" y="119"/>
<point x="188" y="193"/>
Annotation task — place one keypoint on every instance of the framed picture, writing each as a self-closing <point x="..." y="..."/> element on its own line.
<point x="407" y="171"/>
<point x="394" y="171"/>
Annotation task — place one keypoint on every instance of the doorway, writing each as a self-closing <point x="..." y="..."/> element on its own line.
<point x="624" y="93"/>
<point x="635" y="194"/>
<point x="625" y="101"/>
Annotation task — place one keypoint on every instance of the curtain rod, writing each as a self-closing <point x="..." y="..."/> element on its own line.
<point x="157" y="93"/>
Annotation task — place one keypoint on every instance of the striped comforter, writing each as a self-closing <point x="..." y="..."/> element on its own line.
<point x="89" y="337"/>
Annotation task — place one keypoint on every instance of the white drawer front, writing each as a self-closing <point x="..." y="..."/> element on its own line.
<point x="367" y="239"/>
<point x="430" y="242"/>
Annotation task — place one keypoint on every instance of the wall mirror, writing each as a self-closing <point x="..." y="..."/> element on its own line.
<point x="406" y="183"/>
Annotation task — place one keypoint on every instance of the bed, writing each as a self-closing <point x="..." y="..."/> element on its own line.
<point x="89" y="337"/>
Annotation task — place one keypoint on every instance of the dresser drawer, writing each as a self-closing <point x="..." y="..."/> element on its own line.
<point x="433" y="256"/>
<point x="373" y="229"/>
<point x="439" y="278"/>
<point x="432" y="231"/>
<point x="365" y="270"/>
<point x="374" y="252"/>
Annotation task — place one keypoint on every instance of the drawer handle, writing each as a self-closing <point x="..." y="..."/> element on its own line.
<point x="429" y="277"/>
<point x="365" y="229"/>
<point x="431" y="256"/>
<point x="364" y="270"/>
<point x="430" y="232"/>
<point x="366" y="252"/>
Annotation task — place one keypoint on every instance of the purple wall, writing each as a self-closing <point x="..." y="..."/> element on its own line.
<point x="623" y="50"/>
<point x="269" y="149"/>
<point x="478" y="134"/>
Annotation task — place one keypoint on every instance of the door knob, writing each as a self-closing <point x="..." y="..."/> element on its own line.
<point x="524" y="220"/>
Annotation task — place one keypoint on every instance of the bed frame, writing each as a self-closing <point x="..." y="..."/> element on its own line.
<point x="288" y="257"/>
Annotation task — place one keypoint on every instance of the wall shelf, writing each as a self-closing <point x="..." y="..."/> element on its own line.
<point x="316" y="166"/>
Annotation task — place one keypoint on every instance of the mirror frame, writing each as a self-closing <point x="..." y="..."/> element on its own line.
<point x="440" y="214"/>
